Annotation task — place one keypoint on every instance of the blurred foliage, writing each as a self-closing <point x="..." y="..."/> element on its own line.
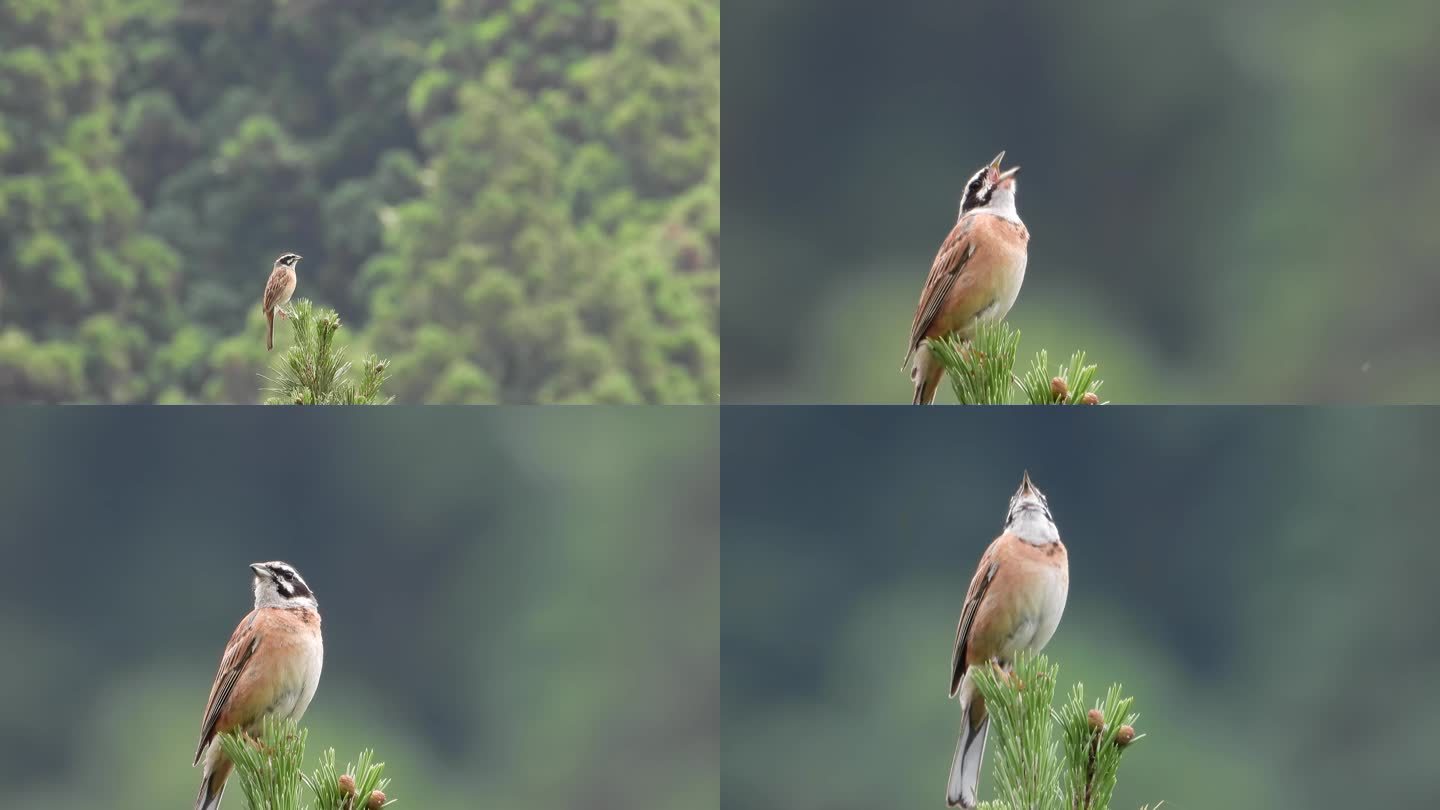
<point x="1228" y="566"/>
<point x="1227" y="202"/>
<point x="516" y="201"/>
<point x="510" y="599"/>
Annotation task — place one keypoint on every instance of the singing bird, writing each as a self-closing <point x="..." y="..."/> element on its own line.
<point x="278" y="290"/>
<point x="1013" y="606"/>
<point x="271" y="667"/>
<point x="975" y="277"/>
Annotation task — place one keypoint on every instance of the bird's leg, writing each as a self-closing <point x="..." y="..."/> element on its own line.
<point x="284" y="316"/>
<point x="252" y="741"/>
<point x="968" y="347"/>
<point x="1006" y="676"/>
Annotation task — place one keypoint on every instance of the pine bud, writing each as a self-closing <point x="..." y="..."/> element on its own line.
<point x="1097" y="720"/>
<point x="1089" y="399"/>
<point x="1059" y="389"/>
<point x="347" y="784"/>
<point x="377" y="800"/>
<point x="1124" y="736"/>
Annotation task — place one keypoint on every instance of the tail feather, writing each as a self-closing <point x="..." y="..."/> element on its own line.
<point x="270" y="330"/>
<point x="926" y="373"/>
<point x="927" y="382"/>
<point x="969" y="754"/>
<point x="212" y="787"/>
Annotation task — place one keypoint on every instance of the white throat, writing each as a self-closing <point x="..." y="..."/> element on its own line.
<point x="1033" y="527"/>
<point x="1002" y="205"/>
<point x="272" y="598"/>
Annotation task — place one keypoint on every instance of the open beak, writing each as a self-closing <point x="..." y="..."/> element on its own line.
<point x="995" y="172"/>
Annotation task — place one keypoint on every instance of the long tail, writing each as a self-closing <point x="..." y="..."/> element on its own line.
<point x="969" y="753"/>
<point x="270" y="330"/>
<point x="212" y="787"/>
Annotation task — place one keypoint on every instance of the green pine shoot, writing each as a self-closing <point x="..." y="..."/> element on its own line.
<point x="269" y="773"/>
<point x="982" y="371"/>
<point x="1028" y="768"/>
<point x="313" y="370"/>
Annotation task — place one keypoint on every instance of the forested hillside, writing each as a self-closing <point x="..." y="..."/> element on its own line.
<point x="512" y="200"/>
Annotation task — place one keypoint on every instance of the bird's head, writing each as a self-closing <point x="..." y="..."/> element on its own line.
<point x="278" y="584"/>
<point x="990" y="188"/>
<point x="288" y="260"/>
<point x="1029" y="517"/>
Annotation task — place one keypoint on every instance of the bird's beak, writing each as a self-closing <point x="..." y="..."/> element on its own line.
<point x="995" y="172"/>
<point x="1025" y="485"/>
<point x="258" y="569"/>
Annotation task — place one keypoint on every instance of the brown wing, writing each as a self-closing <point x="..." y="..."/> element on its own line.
<point x="978" y="587"/>
<point x="238" y="652"/>
<point x="948" y="265"/>
<point x="274" y="287"/>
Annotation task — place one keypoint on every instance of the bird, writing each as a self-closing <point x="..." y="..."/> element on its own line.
<point x="277" y="293"/>
<point x="975" y="277"/>
<point x="1013" y="605"/>
<point x="270" y="667"/>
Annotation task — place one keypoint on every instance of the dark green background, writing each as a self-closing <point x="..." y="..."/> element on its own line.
<point x="1228" y="201"/>
<point x="513" y="201"/>
<point x="520" y="607"/>
<point x="1261" y="580"/>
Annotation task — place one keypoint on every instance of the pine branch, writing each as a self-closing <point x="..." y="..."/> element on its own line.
<point x="982" y="371"/>
<point x="1094" y="739"/>
<point x="313" y="370"/>
<point x="269" y="773"/>
<point x="268" y="769"/>
<point x="1031" y="770"/>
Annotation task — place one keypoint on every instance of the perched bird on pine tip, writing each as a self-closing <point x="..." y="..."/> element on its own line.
<point x="1013" y="606"/>
<point x="975" y="277"/>
<point x="270" y="667"/>
<point x="277" y="293"/>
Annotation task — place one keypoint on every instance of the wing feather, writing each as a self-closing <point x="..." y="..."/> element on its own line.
<point x="978" y="588"/>
<point x="238" y="652"/>
<point x="949" y="263"/>
<point x="276" y="285"/>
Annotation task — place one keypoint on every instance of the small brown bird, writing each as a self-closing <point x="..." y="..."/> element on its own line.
<point x="271" y="666"/>
<point x="277" y="293"/>
<point x="975" y="277"/>
<point x="1013" y="605"/>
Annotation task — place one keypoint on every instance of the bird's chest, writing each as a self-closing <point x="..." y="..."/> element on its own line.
<point x="286" y="679"/>
<point x="1010" y="255"/>
<point x="1027" y="619"/>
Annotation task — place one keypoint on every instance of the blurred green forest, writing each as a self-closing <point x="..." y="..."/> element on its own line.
<point x="1228" y="201"/>
<point x="1259" y="579"/>
<point x="520" y="610"/>
<point x="512" y="200"/>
